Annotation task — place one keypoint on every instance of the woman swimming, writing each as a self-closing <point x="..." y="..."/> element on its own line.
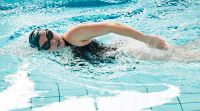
<point x="82" y="35"/>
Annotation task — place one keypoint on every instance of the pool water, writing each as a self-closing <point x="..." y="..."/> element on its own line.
<point x="128" y="79"/>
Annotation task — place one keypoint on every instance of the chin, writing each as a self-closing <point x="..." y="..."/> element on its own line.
<point x="62" y="43"/>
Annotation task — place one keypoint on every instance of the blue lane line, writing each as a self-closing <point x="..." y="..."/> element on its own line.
<point x="86" y="91"/>
<point x="191" y="93"/>
<point x="180" y="103"/>
<point x="48" y="97"/>
<point x="31" y="101"/>
<point x="31" y="104"/>
<point x="183" y="103"/>
<point x="58" y="90"/>
<point x="95" y="104"/>
<point x="147" y="90"/>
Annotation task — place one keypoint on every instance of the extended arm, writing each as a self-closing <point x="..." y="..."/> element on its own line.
<point x="81" y="35"/>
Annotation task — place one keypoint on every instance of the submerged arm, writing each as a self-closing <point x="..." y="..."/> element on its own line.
<point x="81" y="35"/>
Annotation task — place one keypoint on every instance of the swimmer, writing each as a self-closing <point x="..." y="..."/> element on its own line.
<point x="82" y="35"/>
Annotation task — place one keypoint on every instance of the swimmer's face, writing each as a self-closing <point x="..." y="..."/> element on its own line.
<point x="50" y="40"/>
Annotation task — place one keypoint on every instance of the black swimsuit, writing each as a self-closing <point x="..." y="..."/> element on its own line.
<point x="94" y="50"/>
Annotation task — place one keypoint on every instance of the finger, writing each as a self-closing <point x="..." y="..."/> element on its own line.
<point x="165" y="46"/>
<point x="162" y="45"/>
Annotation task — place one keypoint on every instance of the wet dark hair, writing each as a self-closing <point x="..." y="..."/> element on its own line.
<point x="34" y="38"/>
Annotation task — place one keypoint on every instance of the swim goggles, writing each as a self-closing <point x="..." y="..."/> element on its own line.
<point x="47" y="44"/>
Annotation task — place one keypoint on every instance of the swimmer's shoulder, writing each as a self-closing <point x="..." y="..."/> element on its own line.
<point x="72" y="40"/>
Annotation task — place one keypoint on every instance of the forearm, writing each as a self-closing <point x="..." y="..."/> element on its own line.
<point x="128" y="32"/>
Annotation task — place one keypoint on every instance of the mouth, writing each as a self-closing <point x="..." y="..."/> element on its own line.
<point x="58" y="43"/>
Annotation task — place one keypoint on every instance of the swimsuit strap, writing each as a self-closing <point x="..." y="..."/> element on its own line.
<point x="67" y="43"/>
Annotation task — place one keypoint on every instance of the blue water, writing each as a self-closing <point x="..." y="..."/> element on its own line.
<point x="177" y="21"/>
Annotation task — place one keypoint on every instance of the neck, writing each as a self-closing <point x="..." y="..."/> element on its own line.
<point x="66" y="43"/>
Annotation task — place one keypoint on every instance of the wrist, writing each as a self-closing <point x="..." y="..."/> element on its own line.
<point x="146" y="38"/>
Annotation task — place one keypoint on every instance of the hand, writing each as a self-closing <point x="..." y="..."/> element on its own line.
<point x="157" y="42"/>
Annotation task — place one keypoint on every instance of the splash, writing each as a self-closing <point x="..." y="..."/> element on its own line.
<point x="20" y="92"/>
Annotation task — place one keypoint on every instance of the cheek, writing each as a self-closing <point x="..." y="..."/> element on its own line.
<point x="53" y="45"/>
<point x="53" y="42"/>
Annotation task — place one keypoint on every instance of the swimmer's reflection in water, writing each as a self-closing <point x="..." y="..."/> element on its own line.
<point x="82" y="35"/>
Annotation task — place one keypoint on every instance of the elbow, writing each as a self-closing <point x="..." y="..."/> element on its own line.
<point x="113" y="26"/>
<point x="107" y="26"/>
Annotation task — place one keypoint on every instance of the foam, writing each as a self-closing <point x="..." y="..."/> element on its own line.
<point x="20" y="92"/>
